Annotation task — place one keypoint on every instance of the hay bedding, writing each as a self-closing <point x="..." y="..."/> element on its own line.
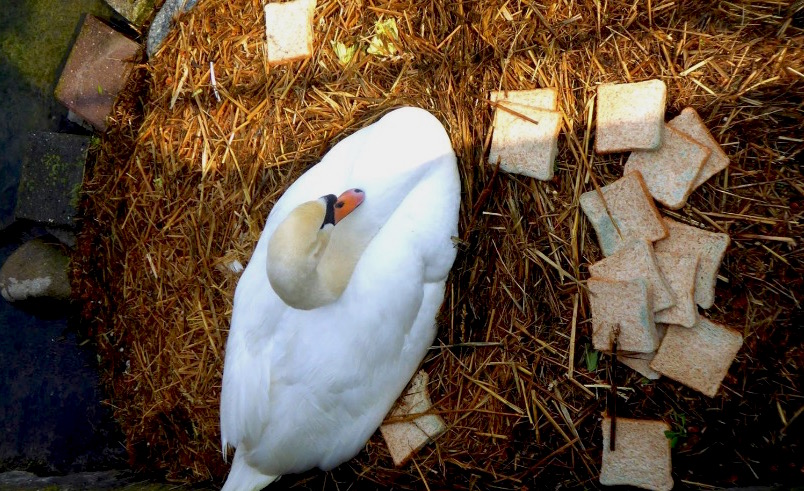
<point x="182" y="184"/>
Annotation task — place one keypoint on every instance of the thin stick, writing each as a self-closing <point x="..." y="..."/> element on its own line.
<point x="613" y="400"/>
<point x="212" y="81"/>
<point x="571" y="363"/>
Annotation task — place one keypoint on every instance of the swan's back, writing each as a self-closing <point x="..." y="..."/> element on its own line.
<point x="308" y="388"/>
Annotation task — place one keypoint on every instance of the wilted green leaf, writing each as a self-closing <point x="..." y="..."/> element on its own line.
<point x="592" y="357"/>
<point x="679" y="431"/>
<point x="343" y="52"/>
<point x="387" y="28"/>
<point x="673" y="437"/>
<point x="385" y="33"/>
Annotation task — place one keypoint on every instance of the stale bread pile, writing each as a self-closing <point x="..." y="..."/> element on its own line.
<point x="656" y="272"/>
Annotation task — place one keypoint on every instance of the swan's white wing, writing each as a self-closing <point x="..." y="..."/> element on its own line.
<point x="247" y="377"/>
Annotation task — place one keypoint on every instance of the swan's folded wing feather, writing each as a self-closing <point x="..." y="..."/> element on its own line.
<point x="245" y="395"/>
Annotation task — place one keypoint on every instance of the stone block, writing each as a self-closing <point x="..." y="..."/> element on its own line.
<point x="134" y="11"/>
<point x="96" y="71"/>
<point x="162" y="23"/>
<point x="51" y="178"/>
<point x="36" y="270"/>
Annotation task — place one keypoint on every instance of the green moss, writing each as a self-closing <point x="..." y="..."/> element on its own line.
<point x="136" y="11"/>
<point x="28" y="186"/>
<point x="41" y="36"/>
<point x="75" y="194"/>
<point x="56" y="169"/>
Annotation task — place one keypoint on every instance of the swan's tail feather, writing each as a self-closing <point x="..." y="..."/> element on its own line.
<point x="243" y="477"/>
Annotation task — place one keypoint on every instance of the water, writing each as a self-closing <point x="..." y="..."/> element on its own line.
<point x="50" y="411"/>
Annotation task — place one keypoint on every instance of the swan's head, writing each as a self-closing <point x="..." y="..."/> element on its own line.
<point x="298" y="244"/>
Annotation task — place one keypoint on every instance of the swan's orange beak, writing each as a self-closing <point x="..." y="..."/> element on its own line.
<point x="347" y="202"/>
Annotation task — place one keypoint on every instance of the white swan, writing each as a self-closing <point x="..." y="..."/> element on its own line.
<point x="308" y="379"/>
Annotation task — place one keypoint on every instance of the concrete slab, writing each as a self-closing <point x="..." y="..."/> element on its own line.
<point x="51" y="178"/>
<point x="96" y="71"/>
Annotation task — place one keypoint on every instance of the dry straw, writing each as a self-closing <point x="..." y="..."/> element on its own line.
<point x="182" y="184"/>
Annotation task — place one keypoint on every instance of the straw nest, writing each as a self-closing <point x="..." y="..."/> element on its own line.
<point x="182" y="185"/>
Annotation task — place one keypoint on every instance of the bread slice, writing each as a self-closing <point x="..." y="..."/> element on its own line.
<point x="680" y="270"/>
<point x="670" y="171"/>
<point x="626" y="304"/>
<point x="640" y="362"/>
<point x="526" y="145"/>
<point x="641" y="455"/>
<point x="710" y="245"/>
<point x="545" y="98"/>
<point x="698" y="357"/>
<point x="630" y="116"/>
<point x="631" y="208"/>
<point x="406" y="438"/>
<point x="689" y="123"/>
<point x="640" y="365"/>
<point x="632" y="261"/>
<point x="289" y="30"/>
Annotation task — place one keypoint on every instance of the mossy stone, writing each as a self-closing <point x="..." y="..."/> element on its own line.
<point x="51" y="178"/>
<point x="38" y="37"/>
<point x="135" y="11"/>
<point x="37" y="269"/>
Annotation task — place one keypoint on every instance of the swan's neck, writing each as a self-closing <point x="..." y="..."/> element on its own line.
<point x="295" y="252"/>
<point x="310" y="266"/>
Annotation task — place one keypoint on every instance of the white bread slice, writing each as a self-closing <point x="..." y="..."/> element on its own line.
<point x="681" y="272"/>
<point x="698" y="357"/>
<point x="636" y="260"/>
<point x="641" y="455"/>
<point x="630" y="116"/>
<point x="710" y="245"/>
<point x="526" y="145"/>
<point x="631" y="208"/>
<point x="670" y="170"/>
<point x="405" y="438"/>
<point x="289" y="30"/>
<point x="691" y="124"/>
<point x="626" y="304"/>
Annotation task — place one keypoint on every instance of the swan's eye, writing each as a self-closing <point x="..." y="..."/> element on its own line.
<point x="339" y="204"/>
